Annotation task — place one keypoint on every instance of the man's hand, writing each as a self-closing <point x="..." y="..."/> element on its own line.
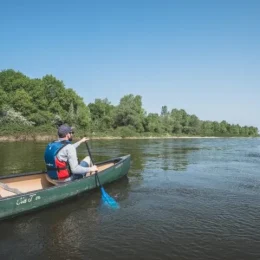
<point x="94" y="168"/>
<point x="84" y="139"/>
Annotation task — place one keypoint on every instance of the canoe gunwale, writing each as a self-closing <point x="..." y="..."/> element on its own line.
<point x="14" y="175"/>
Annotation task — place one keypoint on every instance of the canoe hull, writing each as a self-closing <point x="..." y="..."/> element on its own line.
<point x="21" y="203"/>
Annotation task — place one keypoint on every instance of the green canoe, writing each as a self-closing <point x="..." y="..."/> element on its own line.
<point x="29" y="191"/>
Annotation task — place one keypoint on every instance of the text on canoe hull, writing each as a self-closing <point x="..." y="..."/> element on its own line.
<point x="27" y="199"/>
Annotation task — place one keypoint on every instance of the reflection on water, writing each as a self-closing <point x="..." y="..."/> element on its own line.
<point x="21" y="157"/>
<point x="182" y="199"/>
<point x="167" y="154"/>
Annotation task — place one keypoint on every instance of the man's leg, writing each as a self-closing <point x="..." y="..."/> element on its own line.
<point x="86" y="160"/>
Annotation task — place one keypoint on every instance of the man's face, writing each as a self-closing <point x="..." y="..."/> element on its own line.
<point x="70" y="136"/>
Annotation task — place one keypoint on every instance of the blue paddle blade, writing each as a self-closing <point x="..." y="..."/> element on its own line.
<point x="107" y="200"/>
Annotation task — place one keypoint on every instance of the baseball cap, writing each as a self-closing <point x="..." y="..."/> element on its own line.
<point x="64" y="129"/>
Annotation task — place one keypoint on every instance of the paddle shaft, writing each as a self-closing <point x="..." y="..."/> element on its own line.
<point x="91" y="159"/>
<point x="105" y="197"/>
<point x="90" y="155"/>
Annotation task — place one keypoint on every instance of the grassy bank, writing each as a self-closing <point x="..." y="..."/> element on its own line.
<point x="49" y="133"/>
<point x="50" y="137"/>
<point x="53" y="137"/>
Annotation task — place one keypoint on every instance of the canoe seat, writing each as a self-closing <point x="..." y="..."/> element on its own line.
<point x="57" y="182"/>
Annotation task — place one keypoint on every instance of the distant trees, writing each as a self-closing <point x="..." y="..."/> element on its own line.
<point x="102" y="115"/>
<point x="129" y="112"/>
<point x="47" y="103"/>
<point x="43" y="101"/>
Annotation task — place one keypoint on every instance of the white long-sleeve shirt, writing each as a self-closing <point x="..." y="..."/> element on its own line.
<point x="69" y="154"/>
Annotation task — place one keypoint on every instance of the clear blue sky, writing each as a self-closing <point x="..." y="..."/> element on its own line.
<point x="202" y="56"/>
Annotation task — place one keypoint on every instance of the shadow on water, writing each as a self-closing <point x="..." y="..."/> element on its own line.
<point x="254" y="155"/>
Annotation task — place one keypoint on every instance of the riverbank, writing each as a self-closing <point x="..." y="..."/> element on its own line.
<point x="43" y="138"/>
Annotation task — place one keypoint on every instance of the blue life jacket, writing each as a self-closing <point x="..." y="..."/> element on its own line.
<point x="56" y="169"/>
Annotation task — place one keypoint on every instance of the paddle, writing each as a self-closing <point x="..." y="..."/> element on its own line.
<point x="107" y="200"/>
<point x="6" y="187"/>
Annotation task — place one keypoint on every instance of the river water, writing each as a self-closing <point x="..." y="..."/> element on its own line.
<point x="182" y="199"/>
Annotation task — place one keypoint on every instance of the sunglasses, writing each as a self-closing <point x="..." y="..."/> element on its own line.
<point x="71" y="132"/>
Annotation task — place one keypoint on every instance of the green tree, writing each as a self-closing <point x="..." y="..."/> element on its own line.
<point x="129" y="112"/>
<point x="21" y="101"/>
<point x="164" y="111"/>
<point x="193" y="127"/>
<point x="47" y="102"/>
<point x="176" y="117"/>
<point x="153" y="123"/>
<point x="207" y="128"/>
<point x="102" y="114"/>
<point x="83" y="116"/>
<point x="3" y="97"/>
<point x="223" y="127"/>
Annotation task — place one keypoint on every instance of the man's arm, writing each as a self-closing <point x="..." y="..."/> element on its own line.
<point x="83" y="140"/>
<point x="73" y="162"/>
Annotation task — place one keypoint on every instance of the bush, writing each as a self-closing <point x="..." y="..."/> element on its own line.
<point x="126" y="131"/>
<point x="10" y="116"/>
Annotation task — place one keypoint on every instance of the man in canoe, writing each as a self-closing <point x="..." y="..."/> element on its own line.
<point x="61" y="158"/>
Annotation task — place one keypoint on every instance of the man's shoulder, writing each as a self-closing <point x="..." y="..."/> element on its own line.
<point x="69" y="146"/>
<point x="67" y="149"/>
<point x="65" y="145"/>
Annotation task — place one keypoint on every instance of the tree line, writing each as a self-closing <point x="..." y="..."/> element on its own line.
<point x="45" y="103"/>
